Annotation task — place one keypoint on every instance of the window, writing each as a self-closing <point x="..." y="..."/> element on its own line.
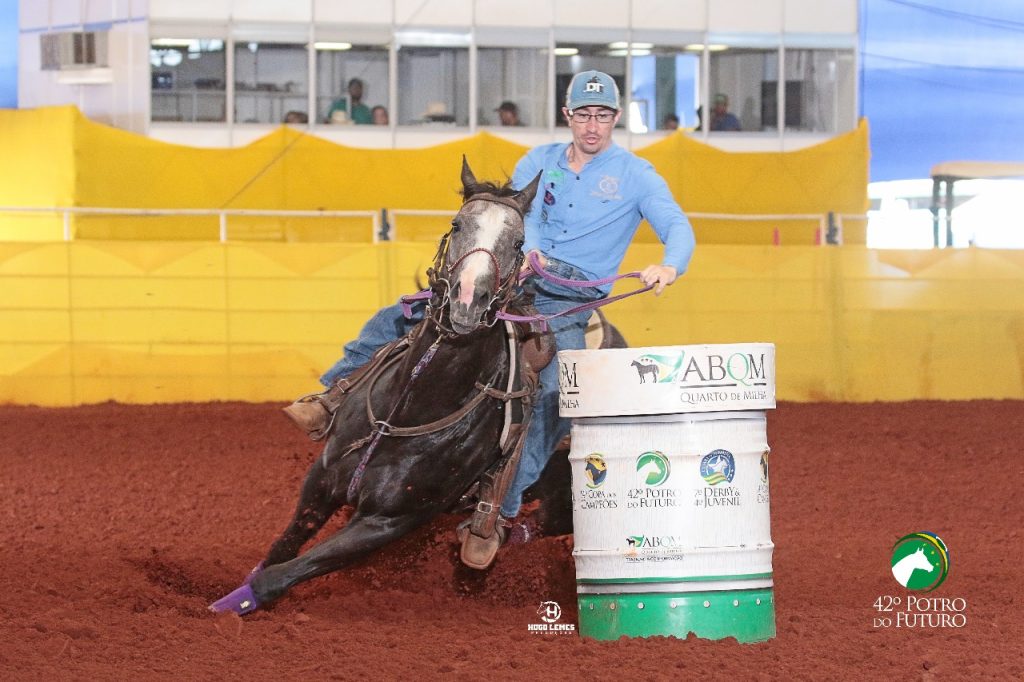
<point x="433" y="86"/>
<point x="571" y="59"/>
<point x="819" y="90"/>
<point x="187" y="79"/>
<point x="743" y="87"/>
<point x="271" y="79"/>
<point x="345" y="72"/>
<point x="665" y="85"/>
<point x="512" y="86"/>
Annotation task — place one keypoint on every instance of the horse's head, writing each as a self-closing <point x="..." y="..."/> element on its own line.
<point x="480" y="263"/>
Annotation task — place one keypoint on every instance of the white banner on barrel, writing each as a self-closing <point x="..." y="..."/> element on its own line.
<point x="666" y="379"/>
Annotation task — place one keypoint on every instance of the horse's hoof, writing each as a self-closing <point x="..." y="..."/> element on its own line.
<point x="241" y="601"/>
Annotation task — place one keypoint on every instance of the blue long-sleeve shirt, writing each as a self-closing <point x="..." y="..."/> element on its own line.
<point x="588" y="219"/>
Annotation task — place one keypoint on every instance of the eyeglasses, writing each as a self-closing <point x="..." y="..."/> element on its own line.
<point x="584" y="117"/>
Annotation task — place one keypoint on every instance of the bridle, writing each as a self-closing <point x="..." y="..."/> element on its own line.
<point x="439" y="276"/>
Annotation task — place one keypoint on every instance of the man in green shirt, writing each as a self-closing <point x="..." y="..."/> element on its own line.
<point x="360" y="113"/>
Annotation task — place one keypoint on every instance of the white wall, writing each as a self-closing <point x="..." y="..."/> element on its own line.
<point x="125" y="101"/>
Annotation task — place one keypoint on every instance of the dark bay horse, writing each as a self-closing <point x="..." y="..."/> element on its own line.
<point x="427" y="421"/>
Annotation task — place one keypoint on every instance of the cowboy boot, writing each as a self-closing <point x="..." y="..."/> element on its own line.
<point x="479" y="552"/>
<point x="314" y="413"/>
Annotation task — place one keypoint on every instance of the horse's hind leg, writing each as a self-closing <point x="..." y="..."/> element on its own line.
<point x="317" y="502"/>
<point x="362" y="535"/>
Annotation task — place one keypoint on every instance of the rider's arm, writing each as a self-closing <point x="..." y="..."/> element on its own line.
<point x="660" y="209"/>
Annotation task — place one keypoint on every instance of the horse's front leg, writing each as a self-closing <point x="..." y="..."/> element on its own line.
<point x="318" y="500"/>
<point x="363" y="534"/>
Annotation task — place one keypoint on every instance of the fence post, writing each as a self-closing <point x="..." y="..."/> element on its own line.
<point x="222" y="219"/>
<point x="67" y="225"/>
<point x="831" y="234"/>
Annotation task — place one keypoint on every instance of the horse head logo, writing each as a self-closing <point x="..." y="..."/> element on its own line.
<point x="549" y="611"/>
<point x="905" y="567"/>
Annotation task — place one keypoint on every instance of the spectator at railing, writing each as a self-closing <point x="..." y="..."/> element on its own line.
<point x="721" y="118"/>
<point x="350" y="108"/>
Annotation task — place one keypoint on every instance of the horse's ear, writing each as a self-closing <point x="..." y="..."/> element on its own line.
<point x="526" y="195"/>
<point x="468" y="179"/>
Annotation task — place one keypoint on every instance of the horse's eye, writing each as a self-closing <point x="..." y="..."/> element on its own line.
<point x="519" y="244"/>
<point x="456" y="225"/>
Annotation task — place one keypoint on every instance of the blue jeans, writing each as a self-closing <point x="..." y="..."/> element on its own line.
<point x="546" y="427"/>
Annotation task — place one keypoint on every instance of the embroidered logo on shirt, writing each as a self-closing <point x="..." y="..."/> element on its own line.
<point x="607" y="189"/>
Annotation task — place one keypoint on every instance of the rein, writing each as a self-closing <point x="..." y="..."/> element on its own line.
<point x="537" y="269"/>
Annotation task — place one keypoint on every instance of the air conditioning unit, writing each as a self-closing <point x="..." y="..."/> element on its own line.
<point x="73" y="50"/>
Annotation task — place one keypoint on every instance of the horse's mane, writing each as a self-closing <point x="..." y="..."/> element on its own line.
<point x="487" y="187"/>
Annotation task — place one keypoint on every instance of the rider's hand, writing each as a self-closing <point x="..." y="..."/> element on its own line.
<point x="526" y="261"/>
<point x="662" y="275"/>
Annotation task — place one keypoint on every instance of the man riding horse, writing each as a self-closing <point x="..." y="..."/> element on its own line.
<point x="592" y="199"/>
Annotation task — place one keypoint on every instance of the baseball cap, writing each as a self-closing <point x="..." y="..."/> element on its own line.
<point x="592" y="89"/>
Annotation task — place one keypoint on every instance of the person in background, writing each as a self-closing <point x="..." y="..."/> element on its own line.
<point x="721" y="117"/>
<point x="296" y="117"/>
<point x="359" y="112"/>
<point x="592" y="198"/>
<point x="671" y="122"/>
<point x="508" y="113"/>
<point x="379" y="115"/>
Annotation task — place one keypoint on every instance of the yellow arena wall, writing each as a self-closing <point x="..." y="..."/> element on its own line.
<point x="139" y="322"/>
<point x="143" y="310"/>
<point x="57" y="157"/>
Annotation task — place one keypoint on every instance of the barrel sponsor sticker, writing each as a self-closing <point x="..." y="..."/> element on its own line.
<point x="655" y="368"/>
<point x="550" y="615"/>
<point x="652" y="472"/>
<point x="645" y="548"/>
<point x="595" y="470"/>
<point x="762" y="486"/>
<point x="652" y="468"/>
<point x="717" y="468"/>
<point x="666" y="379"/>
<point x="568" y="385"/>
<point x="919" y="563"/>
<point x="593" y="495"/>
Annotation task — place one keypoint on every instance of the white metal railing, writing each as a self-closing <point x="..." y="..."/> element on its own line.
<point x="821" y="218"/>
<point x="222" y="215"/>
<point x="392" y="215"/>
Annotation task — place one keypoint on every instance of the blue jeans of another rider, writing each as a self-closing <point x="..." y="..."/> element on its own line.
<point x="546" y="427"/>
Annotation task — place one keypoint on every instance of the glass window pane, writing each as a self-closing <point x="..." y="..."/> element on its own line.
<point x="743" y="90"/>
<point x="188" y="79"/>
<point x="433" y="86"/>
<point x="513" y="86"/>
<point x="271" y="80"/>
<point x="819" y="90"/>
<point x="351" y="83"/>
<point x="666" y="82"/>
<point x="571" y="59"/>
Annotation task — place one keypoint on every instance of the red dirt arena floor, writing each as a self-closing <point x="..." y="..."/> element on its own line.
<point x="121" y="523"/>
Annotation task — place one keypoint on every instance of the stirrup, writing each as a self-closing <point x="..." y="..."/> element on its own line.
<point x="477" y="552"/>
